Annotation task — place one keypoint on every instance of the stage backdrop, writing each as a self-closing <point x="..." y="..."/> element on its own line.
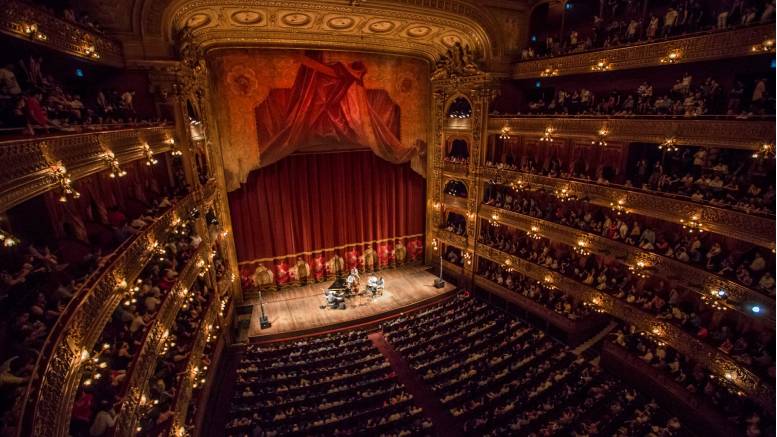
<point x="310" y="215"/>
<point x="271" y="103"/>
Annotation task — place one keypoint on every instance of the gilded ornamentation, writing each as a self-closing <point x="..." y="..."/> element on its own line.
<point x="739" y="225"/>
<point x="82" y="155"/>
<point x="718" y="45"/>
<point x="715" y="360"/>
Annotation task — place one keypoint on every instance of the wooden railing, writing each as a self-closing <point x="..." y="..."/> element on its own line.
<point x="715" y="360"/>
<point x="56" y="375"/>
<point x="693" y="278"/>
<point x="691" y="48"/>
<point x="753" y="229"/>
<point x="81" y="154"/>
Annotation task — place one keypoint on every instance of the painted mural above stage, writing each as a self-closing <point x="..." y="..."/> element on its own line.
<point x="271" y="103"/>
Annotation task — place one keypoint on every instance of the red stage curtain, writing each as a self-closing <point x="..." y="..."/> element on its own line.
<point x="329" y="104"/>
<point x="305" y="204"/>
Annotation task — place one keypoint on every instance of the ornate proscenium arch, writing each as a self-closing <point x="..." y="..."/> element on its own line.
<point x="400" y="27"/>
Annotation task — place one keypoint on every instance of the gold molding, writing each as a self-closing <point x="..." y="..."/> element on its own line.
<point x="411" y="28"/>
<point x="144" y="364"/>
<point x="727" y="134"/>
<point x="56" y="376"/>
<point x="81" y="154"/>
<point x="745" y="227"/>
<point x="55" y="33"/>
<point x="740" y="298"/>
<point x="715" y="360"/>
<point x="695" y="48"/>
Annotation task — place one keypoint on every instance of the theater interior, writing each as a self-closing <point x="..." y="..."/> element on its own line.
<point x="261" y="218"/>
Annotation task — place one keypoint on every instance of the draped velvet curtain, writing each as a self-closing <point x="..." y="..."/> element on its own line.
<point x="310" y="208"/>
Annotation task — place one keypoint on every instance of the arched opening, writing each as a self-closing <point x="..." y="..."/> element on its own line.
<point x="457" y="152"/>
<point x="459" y="114"/>
<point x="456" y="188"/>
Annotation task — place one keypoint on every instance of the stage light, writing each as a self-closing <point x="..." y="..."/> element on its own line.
<point x="756" y="309"/>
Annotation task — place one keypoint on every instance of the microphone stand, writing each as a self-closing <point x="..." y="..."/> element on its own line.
<point x="263" y="321"/>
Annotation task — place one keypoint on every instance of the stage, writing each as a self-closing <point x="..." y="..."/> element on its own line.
<point x="296" y="311"/>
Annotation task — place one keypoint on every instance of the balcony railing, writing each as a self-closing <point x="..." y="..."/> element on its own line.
<point x="82" y="154"/>
<point x="25" y="21"/>
<point x="693" y="48"/>
<point x="141" y="370"/>
<point x="716" y="361"/>
<point x="693" y="278"/>
<point x="727" y="134"/>
<point x="56" y="375"/>
<point x="459" y="241"/>
<point x="750" y="228"/>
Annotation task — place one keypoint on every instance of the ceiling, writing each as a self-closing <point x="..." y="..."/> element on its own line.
<point x="421" y="28"/>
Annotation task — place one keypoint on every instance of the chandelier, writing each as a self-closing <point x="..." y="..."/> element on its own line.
<point x="672" y="57"/>
<point x="549" y="72"/>
<point x="494" y="221"/>
<point x="601" y="65"/>
<point x="563" y="194"/>
<point x="693" y="225"/>
<point x="639" y="270"/>
<point x="766" y="151"/>
<point x="601" y="139"/>
<point x="113" y="163"/>
<point x="581" y="248"/>
<point x="669" y="145"/>
<point x="504" y="134"/>
<point x="7" y="240"/>
<point x="716" y="299"/>
<point x="534" y="233"/>
<point x="547" y="136"/>
<point x="64" y="181"/>
<point x="149" y="154"/>
<point x="618" y="207"/>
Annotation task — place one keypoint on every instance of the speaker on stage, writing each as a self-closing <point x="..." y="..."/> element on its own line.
<point x="439" y="283"/>
<point x="264" y="322"/>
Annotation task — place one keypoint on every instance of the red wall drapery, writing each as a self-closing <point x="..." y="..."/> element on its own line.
<point x="306" y="205"/>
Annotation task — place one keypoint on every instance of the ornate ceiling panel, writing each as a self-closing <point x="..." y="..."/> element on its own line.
<point x="411" y="27"/>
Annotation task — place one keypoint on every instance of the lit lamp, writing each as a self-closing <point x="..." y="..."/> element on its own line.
<point x="766" y="46"/>
<point x="619" y="208"/>
<point x="692" y="225"/>
<point x="672" y="57"/>
<point x="505" y="133"/>
<point x="149" y="154"/>
<point x="601" y="65"/>
<point x="534" y="233"/>
<point x="7" y="240"/>
<point x="113" y="163"/>
<point x="639" y="270"/>
<point x="549" y="72"/>
<point x="494" y="220"/>
<point x="766" y="151"/>
<point x="60" y="174"/>
<point x="669" y="145"/>
<point x="601" y="139"/>
<point x="548" y="134"/>
<point x="581" y="248"/>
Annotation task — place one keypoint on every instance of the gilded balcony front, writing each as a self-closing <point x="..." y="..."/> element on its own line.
<point x="56" y="375"/>
<point x="81" y="155"/>
<point x="25" y="21"/>
<point x="695" y="48"/>
<point x="728" y="134"/>
<point x="716" y="361"/>
<point x="693" y="278"/>
<point x="753" y="229"/>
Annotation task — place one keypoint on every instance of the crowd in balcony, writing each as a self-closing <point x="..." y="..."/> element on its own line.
<point x="172" y="363"/>
<point x="746" y="264"/>
<point x="684" y="98"/>
<point x="633" y="285"/>
<point x="456" y="223"/>
<point x="104" y="382"/>
<point x="696" y="380"/>
<point x="551" y="298"/>
<point x="37" y="282"/>
<point x="499" y="376"/>
<point x="623" y="23"/>
<point x="456" y="189"/>
<point x="453" y="256"/>
<point x="34" y="99"/>
<point x="718" y="177"/>
<point x="458" y="152"/>
<point x="324" y="385"/>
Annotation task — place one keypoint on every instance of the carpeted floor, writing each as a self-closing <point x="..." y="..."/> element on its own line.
<point x="444" y="423"/>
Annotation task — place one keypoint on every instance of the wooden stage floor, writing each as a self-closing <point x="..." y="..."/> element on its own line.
<point x="297" y="310"/>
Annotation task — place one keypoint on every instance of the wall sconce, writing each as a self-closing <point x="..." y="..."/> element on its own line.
<point x="548" y="134"/>
<point x="149" y="154"/>
<point x="32" y="31"/>
<point x="563" y="194"/>
<point x="672" y="57"/>
<point x="7" y="240"/>
<point x="508" y="265"/>
<point x="494" y="221"/>
<point x="113" y="163"/>
<point x="669" y="145"/>
<point x="581" y="248"/>
<point x="601" y="137"/>
<point x="618" y="207"/>
<point x="692" y="225"/>
<point x="549" y="72"/>
<point x="91" y="51"/>
<point x="64" y="181"/>
<point x="601" y="65"/>
<point x="639" y="270"/>
<point x="504" y="134"/>
<point x="766" y="151"/>
<point x="766" y="46"/>
<point x="436" y="205"/>
<point x="435" y="244"/>
<point x="534" y="233"/>
<point x="467" y="258"/>
<point x="716" y="299"/>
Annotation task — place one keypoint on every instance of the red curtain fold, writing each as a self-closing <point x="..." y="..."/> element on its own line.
<point x="307" y="203"/>
<point x="328" y="104"/>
